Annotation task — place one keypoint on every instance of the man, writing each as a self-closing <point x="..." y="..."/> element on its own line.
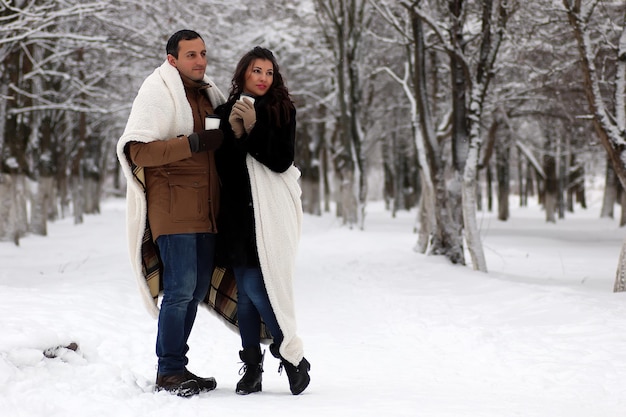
<point x="172" y="200"/>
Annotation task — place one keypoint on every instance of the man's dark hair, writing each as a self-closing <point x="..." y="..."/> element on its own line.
<point x="182" y="35"/>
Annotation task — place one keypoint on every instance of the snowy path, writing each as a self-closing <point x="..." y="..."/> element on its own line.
<point x="388" y="332"/>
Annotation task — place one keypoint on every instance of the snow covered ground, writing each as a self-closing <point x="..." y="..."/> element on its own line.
<point x="388" y="332"/>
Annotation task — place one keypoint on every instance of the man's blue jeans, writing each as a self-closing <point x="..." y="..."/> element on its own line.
<point x="252" y="305"/>
<point x="187" y="268"/>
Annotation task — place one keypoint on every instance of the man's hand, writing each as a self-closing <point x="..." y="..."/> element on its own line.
<point x="207" y="140"/>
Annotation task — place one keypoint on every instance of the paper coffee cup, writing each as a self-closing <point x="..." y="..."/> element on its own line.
<point x="241" y="97"/>
<point x="211" y="122"/>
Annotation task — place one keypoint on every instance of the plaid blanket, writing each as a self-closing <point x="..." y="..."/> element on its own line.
<point x="222" y="300"/>
<point x="222" y="296"/>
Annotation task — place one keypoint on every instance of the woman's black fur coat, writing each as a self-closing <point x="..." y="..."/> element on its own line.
<point x="271" y="145"/>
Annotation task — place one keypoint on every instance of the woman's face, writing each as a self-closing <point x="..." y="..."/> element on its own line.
<point x="259" y="77"/>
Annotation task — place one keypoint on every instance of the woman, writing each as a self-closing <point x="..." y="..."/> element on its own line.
<point x="260" y="216"/>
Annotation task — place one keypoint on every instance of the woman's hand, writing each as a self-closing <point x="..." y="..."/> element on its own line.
<point x="245" y="110"/>
<point x="236" y="123"/>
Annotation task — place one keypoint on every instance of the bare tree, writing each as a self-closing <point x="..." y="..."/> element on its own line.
<point x="471" y="57"/>
<point x="607" y="108"/>
<point x="64" y="69"/>
<point x="344" y="24"/>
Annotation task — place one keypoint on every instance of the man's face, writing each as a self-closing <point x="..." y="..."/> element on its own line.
<point x="191" y="61"/>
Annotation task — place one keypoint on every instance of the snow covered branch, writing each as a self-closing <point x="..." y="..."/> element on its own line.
<point x="620" y="81"/>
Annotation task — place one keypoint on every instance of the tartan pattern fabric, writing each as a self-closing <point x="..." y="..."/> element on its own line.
<point x="222" y="295"/>
<point x="151" y="263"/>
<point x="222" y="298"/>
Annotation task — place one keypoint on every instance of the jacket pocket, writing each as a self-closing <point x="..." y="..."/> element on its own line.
<point x="189" y="197"/>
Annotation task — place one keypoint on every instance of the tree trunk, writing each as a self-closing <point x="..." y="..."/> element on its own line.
<point x="503" y="178"/>
<point x="9" y="219"/>
<point x="472" y="234"/>
<point x="344" y="162"/>
<point x="578" y="183"/>
<point x="611" y="129"/>
<point x="550" y="199"/>
<point x="620" y="275"/>
<point x="389" y="182"/>
<point x="478" y="91"/>
<point x="308" y="160"/>
<point x="347" y="204"/>
<point x="560" y="172"/>
<point x="459" y="84"/>
<point x="609" y="198"/>
<point x="574" y="181"/>
<point x="459" y="194"/>
<point x="622" y="220"/>
<point x="479" y="193"/>
<point x="327" y="189"/>
<point x="427" y="219"/>
<point x="521" y="183"/>
<point x="489" y="180"/>
<point x="78" y="201"/>
<point x="92" y="190"/>
<point x="342" y="24"/>
<point x="446" y="238"/>
<point x="530" y="182"/>
<point x="40" y="206"/>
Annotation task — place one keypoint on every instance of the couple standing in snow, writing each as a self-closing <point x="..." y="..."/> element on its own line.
<point x="214" y="212"/>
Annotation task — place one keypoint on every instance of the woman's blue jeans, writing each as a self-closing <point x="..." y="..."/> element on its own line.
<point x="253" y="304"/>
<point x="187" y="269"/>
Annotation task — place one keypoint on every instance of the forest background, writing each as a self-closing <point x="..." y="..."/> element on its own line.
<point x="451" y="106"/>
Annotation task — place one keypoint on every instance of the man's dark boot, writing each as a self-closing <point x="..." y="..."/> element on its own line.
<point x="298" y="376"/>
<point x="205" y="384"/>
<point x="252" y="370"/>
<point x="178" y="384"/>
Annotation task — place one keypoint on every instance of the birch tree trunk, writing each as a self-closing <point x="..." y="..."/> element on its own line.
<point x="492" y="32"/>
<point x="472" y="234"/>
<point x="609" y="197"/>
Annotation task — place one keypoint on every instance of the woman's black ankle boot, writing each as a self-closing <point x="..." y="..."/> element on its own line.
<point x="252" y="370"/>
<point x="298" y="376"/>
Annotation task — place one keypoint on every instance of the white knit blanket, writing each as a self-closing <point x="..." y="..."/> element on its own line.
<point x="160" y="111"/>
<point x="278" y="224"/>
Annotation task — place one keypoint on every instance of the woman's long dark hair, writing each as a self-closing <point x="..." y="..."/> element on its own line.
<point x="278" y="100"/>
